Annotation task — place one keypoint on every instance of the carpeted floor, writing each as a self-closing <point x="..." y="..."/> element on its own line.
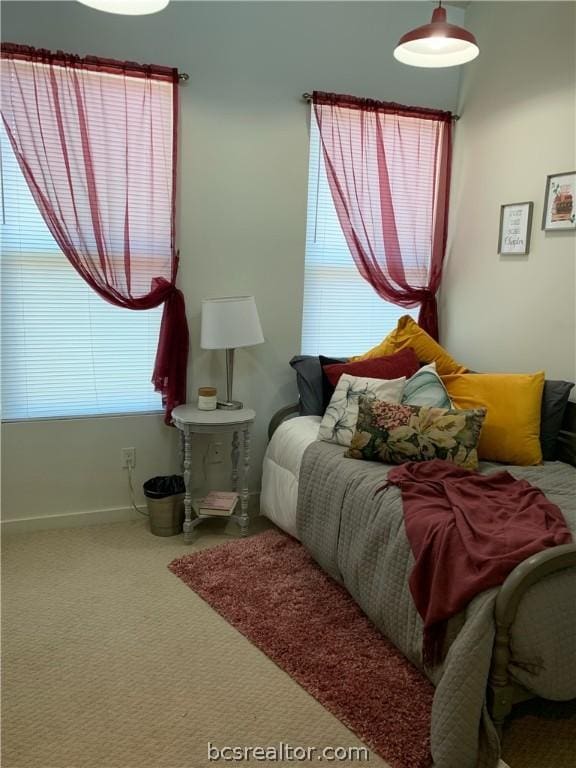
<point x="111" y="662"/>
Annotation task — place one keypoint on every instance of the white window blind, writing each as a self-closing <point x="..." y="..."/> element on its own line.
<point x="343" y="315"/>
<point x="65" y="351"/>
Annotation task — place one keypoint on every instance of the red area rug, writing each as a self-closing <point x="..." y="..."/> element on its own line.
<point x="270" y="589"/>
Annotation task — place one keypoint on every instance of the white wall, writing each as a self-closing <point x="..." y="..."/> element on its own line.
<point x="517" y="101"/>
<point x="71" y="468"/>
<point x="243" y="176"/>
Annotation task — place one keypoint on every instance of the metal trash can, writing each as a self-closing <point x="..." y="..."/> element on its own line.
<point x="165" y="500"/>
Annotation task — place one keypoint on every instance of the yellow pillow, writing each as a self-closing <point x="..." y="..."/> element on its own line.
<point x="409" y="334"/>
<point x="511" y="430"/>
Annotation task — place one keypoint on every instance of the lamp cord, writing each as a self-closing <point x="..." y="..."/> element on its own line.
<point x="132" y="501"/>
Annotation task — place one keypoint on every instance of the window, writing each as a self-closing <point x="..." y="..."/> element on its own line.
<point x="343" y="315"/>
<point x="65" y="351"/>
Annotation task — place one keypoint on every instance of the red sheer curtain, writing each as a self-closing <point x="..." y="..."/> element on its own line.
<point x="388" y="167"/>
<point x="96" y="141"/>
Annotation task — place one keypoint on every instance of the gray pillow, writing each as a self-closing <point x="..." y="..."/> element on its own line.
<point x="309" y="382"/>
<point x="554" y="401"/>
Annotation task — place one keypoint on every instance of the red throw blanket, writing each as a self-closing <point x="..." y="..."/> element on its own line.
<point x="467" y="532"/>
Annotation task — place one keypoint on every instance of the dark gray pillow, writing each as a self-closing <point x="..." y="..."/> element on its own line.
<point x="309" y="382"/>
<point x="554" y="401"/>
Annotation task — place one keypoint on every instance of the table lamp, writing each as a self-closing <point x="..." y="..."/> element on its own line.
<point x="230" y="322"/>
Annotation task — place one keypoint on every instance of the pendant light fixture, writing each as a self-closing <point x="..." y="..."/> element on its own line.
<point x="438" y="44"/>
<point x="127" y="7"/>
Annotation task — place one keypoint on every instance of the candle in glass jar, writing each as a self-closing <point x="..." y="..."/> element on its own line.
<point x="207" y="398"/>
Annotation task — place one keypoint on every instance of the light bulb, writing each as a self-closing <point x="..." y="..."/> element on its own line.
<point x="127" y="7"/>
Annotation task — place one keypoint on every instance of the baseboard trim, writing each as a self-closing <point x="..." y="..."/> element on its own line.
<point x="88" y="518"/>
<point x="69" y="520"/>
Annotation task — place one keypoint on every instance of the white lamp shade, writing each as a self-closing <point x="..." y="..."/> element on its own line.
<point x="230" y="322"/>
<point x="127" y="7"/>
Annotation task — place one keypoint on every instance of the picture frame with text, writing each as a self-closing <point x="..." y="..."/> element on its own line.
<point x="515" y="229"/>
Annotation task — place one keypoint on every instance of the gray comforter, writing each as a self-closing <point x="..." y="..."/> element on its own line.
<point x="360" y="540"/>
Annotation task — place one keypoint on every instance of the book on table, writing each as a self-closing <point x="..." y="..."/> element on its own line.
<point x="219" y="503"/>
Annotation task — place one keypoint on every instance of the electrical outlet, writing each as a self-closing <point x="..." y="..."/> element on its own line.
<point x="128" y="457"/>
<point x="215" y="453"/>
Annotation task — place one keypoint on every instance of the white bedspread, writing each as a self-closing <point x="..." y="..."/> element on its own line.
<point x="281" y="469"/>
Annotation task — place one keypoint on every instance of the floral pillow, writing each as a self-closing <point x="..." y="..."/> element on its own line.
<point x="339" y="422"/>
<point x="395" y="434"/>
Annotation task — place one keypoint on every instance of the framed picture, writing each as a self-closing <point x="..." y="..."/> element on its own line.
<point x="559" y="202"/>
<point x="515" y="228"/>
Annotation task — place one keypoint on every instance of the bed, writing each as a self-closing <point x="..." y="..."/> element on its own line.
<point x="502" y="648"/>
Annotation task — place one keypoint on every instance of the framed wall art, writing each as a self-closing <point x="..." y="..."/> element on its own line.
<point x="515" y="228"/>
<point x="559" y="202"/>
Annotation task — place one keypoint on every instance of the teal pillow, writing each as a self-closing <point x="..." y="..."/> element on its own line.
<point x="425" y="388"/>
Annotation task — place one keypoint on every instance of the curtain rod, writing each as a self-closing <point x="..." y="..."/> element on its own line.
<point x="29" y="53"/>
<point x="308" y="98"/>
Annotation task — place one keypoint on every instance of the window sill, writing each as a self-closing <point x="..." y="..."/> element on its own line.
<point x="83" y="417"/>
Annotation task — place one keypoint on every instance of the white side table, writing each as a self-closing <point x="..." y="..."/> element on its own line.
<point x="190" y="420"/>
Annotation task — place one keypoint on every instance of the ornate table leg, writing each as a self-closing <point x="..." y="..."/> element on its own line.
<point x="244" y="519"/>
<point x="188" y="527"/>
<point x="235" y="454"/>
<point x="181" y="449"/>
